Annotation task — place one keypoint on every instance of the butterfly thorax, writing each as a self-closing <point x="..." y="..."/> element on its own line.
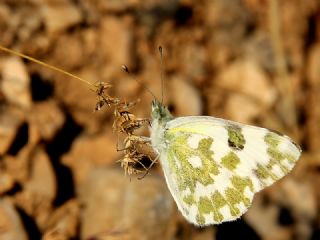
<point x="160" y="116"/>
<point x="160" y="113"/>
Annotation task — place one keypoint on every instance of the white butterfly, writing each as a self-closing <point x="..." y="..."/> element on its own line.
<point x="213" y="167"/>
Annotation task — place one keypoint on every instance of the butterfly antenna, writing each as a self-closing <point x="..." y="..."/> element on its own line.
<point x="126" y="69"/>
<point x="7" y="50"/>
<point x="161" y="73"/>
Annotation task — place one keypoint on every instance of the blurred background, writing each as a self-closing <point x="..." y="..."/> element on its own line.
<point x="252" y="61"/>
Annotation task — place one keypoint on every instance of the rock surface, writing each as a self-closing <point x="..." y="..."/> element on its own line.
<point x="240" y="60"/>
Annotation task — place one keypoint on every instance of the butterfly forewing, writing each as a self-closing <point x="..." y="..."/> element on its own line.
<point x="213" y="167"/>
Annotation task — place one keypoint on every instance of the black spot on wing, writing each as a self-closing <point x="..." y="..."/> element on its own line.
<point x="235" y="146"/>
<point x="236" y="139"/>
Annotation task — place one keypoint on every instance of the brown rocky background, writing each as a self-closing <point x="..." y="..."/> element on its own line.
<point x="253" y="61"/>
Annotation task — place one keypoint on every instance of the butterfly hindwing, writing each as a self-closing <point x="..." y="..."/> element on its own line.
<point x="213" y="167"/>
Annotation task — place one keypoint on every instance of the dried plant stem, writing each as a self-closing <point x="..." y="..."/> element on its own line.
<point x="7" y="50"/>
<point x="286" y="104"/>
<point x="124" y="121"/>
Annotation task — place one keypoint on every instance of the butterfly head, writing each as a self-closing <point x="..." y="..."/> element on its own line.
<point x="160" y="112"/>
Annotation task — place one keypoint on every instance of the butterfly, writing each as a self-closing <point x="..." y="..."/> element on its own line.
<point x="213" y="167"/>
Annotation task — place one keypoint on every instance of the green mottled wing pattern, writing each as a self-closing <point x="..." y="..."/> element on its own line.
<point x="214" y="167"/>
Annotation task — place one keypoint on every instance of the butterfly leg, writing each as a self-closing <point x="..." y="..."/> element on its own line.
<point x="148" y="169"/>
